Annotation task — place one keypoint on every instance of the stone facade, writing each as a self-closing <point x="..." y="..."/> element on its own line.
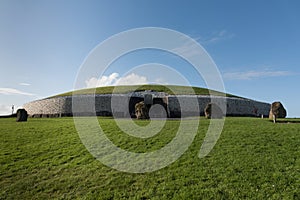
<point x="122" y="105"/>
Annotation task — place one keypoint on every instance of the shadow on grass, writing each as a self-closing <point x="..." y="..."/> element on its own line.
<point x="288" y="121"/>
<point x="9" y="116"/>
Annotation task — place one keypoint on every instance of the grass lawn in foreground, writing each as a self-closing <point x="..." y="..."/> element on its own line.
<point x="253" y="159"/>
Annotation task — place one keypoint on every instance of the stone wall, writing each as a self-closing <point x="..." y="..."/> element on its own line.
<point x="59" y="106"/>
<point x="234" y="106"/>
<point x="122" y="105"/>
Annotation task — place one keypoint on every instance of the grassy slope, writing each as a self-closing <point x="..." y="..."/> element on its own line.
<point x="254" y="158"/>
<point x="170" y="89"/>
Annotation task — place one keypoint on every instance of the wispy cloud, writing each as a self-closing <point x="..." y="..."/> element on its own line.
<point x="190" y="49"/>
<point x="25" y="84"/>
<point x="187" y="49"/>
<point x="216" y="37"/>
<point x="250" y="75"/>
<point x="12" y="91"/>
<point x="114" y="79"/>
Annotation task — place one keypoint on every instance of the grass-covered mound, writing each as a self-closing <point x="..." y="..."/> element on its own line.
<point x="253" y="159"/>
<point x="170" y="89"/>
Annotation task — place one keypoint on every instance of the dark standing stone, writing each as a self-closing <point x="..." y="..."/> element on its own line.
<point x="21" y="115"/>
<point x="141" y="111"/>
<point x="277" y="111"/>
<point x="213" y="111"/>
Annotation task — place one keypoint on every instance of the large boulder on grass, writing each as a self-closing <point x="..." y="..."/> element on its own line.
<point x="213" y="111"/>
<point x="141" y="111"/>
<point x="21" y="115"/>
<point x="277" y="111"/>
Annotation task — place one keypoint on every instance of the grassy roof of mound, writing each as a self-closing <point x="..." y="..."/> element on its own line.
<point x="170" y="89"/>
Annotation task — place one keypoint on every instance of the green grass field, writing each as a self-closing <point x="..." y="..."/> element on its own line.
<point x="253" y="159"/>
<point x="170" y="89"/>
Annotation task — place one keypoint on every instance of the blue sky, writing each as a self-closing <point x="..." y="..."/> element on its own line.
<point x="255" y="45"/>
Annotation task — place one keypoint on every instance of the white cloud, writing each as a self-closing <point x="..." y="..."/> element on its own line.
<point x="250" y="75"/>
<point x="161" y="81"/>
<point x="113" y="79"/>
<point x="132" y="79"/>
<point x="103" y="81"/>
<point x="25" y="84"/>
<point x="12" y="91"/>
<point x="5" y="110"/>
